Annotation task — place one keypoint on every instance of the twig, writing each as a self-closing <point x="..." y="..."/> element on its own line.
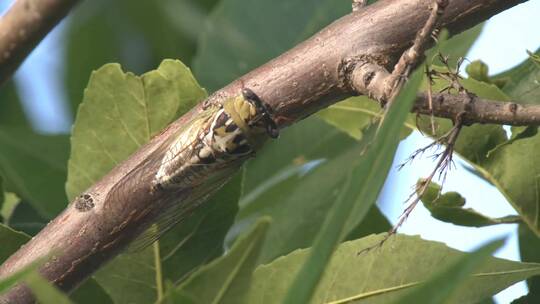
<point x="481" y="110"/>
<point x="411" y="57"/>
<point x="430" y="99"/>
<point x="23" y="26"/>
<point x="442" y="166"/>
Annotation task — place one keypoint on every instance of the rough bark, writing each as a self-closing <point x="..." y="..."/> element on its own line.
<point x="298" y="83"/>
<point x="479" y="110"/>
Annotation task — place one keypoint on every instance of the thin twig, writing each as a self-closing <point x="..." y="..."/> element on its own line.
<point x="443" y="164"/>
<point x="412" y="56"/>
<point x="430" y="99"/>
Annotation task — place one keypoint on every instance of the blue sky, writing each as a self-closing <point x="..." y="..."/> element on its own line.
<point x="502" y="44"/>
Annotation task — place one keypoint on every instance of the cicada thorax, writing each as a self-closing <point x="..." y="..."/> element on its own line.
<point x="235" y="131"/>
<point x="231" y="133"/>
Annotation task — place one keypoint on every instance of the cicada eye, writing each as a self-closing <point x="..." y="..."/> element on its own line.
<point x="250" y="95"/>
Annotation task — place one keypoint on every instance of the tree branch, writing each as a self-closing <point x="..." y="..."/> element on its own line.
<point x="311" y="76"/>
<point x="370" y="79"/>
<point x="480" y="110"/>
<point x="23" y="26"/>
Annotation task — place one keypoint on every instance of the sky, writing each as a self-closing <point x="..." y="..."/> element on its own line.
<point x="502" y="44"/>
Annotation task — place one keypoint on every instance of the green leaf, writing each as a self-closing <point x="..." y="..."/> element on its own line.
<point x="22" y="154"/>
<point x="136" y="273"/>
<point x="448" y="207"/>
<point x="373" y="222"/>
<point x="514" y="168"/>
<point x="385" y="274"/>
<point x="227" y="279"/>
<point x="240" y="35"/>
<point x="11" y="112"/>
<point x="121" y="112"/>
<point x="459" y="45"/>
<point x="177" y="296"/>
<point x="478" y="70"/>
<point x="296" y="177"/>
<point x="44" y="292"/>
<point x="307" y="142"/>
<point x="528" y="249"/>
<point x="442" y="285"/>
<point x="199" y="239"/>
<point x="11" y="240"/>
<point x="90" y="292"/>
<point x="2" y="196"/>
<point x="372" y="170"/>
<point x="354" y="114"/>
<point x="137" y="34"/>
<point x="8" y="202"/>
<point x="521" y="82"/>
<point x="25" y="218"/>
<point x="7" y="209"/>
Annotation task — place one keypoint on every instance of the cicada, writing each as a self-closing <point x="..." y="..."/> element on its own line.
<point x="200" y="158"/>
<point x="224" y="134"/>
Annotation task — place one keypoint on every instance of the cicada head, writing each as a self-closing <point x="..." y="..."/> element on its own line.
<point x="260" y="115"/>
<point x="243" y="124"/>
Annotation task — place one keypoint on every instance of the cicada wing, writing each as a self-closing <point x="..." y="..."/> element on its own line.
<point x="146" y="171"/>
<point x="182" y="204"/>
<point x="149" y="166"/>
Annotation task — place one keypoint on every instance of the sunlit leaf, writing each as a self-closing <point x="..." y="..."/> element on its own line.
<point x="385" y="274"/>
<point x="441" y="286"/>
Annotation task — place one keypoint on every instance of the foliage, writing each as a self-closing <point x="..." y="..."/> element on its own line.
<point x="302" y="210"/>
